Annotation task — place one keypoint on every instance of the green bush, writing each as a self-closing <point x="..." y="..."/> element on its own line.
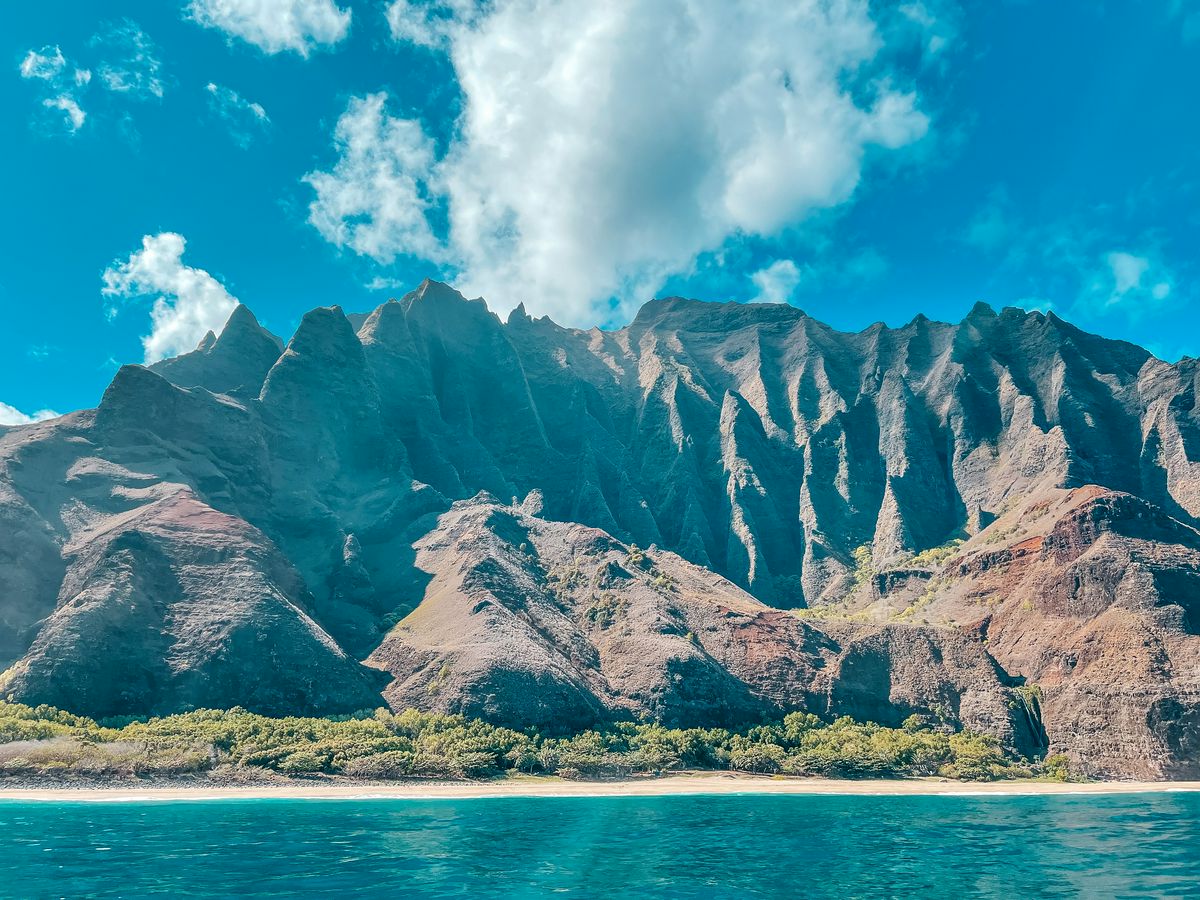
<point x="303" y="762"/>
<point x="1057" y="767"/>
<point x="411" y="744"/>
<point x="390" y="764"/>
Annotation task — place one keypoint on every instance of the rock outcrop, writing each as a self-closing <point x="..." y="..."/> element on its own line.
<point x="177" y="606"/>
<point x="1093" y="596"/>
<point x="992" y="523"/>
<point x="559" y="625"/>
<point x="235" y="362"/>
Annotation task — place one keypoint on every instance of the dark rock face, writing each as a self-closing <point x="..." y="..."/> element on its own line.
<point x="179" y="606"/>
<point x="237" y="361"/>
<point x="293" y="528"/>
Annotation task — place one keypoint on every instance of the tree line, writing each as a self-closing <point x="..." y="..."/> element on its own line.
<point x="43" y="742"/>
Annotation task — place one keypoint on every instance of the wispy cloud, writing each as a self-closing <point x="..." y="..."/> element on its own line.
<point x="1135" y="283"/>
<point x="244" y="120"/>
<point x="47" y="64"/>
<point x="61" y="81"/>
<point x="1081" y="266"/>
<point x="1187" y="14"/>
<point x="66" y="104"/>
<point x="40" y="352"/>
<point x="131" y="63"/>
<point x="126" y="64"/>
<point x="992" y="226"/>
<point x="431" y="24"/>
<point x="380" y="283"/>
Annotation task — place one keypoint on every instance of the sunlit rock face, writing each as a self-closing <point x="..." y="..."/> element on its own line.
<point x="716" y="514"/>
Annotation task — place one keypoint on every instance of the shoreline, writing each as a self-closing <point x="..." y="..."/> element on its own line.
<point x="700" y="784"/>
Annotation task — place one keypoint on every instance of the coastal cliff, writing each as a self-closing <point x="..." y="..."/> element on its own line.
<point x="716" y="515"/>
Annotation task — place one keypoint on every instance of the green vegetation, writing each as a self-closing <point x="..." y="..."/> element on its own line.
<point x="1031" y="694"/>
<point x="44" y="741"/>
<point x="565" y="579"/>
<point x="935" y="556"/>
<point x="837" y="611"/>
<point x="661" y="581"/>
<point x="864" y="566"/>
<point x="927" y="597"/>
<point x="1028" y="699"/>
<point x="604" y="610"/>
<point x="1003" y="535"/>
<point x="1057" y="767"/>
<point x="435" y="685"/>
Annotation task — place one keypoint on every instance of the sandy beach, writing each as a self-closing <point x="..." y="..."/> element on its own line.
<point x="680" y="784"/>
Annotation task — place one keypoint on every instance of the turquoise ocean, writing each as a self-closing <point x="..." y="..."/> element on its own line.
<point x="739" y="846"/>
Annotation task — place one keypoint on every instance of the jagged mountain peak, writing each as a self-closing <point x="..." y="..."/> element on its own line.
<point x="133" y="381"/>
<point x="235" y="361"/>
<point x="386" y="323"/>
<point x="242" y="322"/>
<point x="438" y="292"/>
<point x="981" y="312"/>
<point x="439" y="306"/>
<point x="323" y="331"/>
<point x="518" y="315"/>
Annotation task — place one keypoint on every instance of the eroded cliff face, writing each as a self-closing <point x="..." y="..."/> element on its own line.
<point x="1094" y="596"/>
<point x="560" y="625"/>
<point x="392" y="508"/>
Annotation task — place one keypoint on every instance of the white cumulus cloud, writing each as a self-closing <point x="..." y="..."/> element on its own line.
<point x="276" y="25"/>
<point x="429" y="24"/>
<point x="10" y="415"/>
<point x="188" y="303"/>
<point x="604" y="146"/>
<point x="376" y="198"/>
<point x="777" y="282"/>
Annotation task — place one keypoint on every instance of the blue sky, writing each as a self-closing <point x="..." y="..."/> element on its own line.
<point x="862" y="161"/>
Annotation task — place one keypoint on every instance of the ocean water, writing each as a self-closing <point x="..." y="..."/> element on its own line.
<point x="722" y="847"/>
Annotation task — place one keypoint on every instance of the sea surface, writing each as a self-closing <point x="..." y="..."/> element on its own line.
<point x="738" y="846"/>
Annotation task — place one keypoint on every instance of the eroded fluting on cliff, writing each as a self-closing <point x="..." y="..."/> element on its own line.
<point x="759" y="460"/>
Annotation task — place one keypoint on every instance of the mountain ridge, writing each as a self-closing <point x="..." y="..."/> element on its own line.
<point x="808" y="469"/>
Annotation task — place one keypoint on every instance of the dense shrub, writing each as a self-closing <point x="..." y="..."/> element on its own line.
<point x="382" y="745"/>
<point x="381" y="766"/>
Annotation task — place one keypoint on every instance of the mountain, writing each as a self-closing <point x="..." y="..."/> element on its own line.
<point x="715" y="514"/>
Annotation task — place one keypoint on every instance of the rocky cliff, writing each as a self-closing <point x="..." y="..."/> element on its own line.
<point x="714" y="514"/>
